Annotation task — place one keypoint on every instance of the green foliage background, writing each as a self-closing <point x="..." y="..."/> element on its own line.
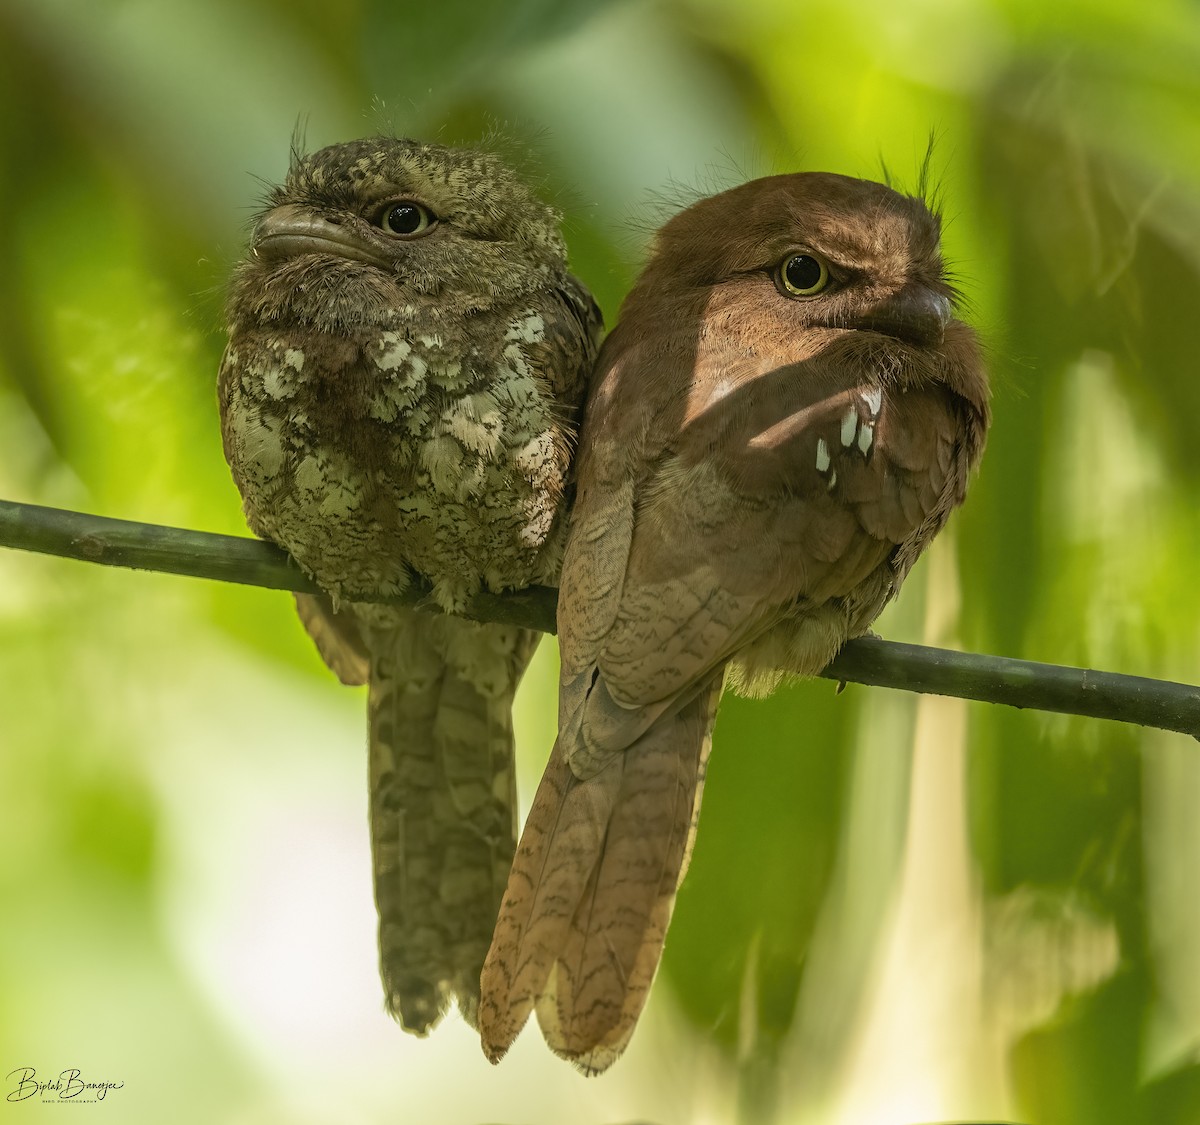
<point x="899" y="910"/>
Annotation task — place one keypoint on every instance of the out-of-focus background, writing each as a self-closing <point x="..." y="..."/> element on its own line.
<point x="901" y="909"/>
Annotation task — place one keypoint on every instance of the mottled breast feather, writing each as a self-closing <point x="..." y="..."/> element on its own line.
<point x="415" y="413"/>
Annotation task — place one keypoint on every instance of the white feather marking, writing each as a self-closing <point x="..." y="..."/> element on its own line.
<point x="277" y="383"/>
<point x="874" y="400"/>
<point x="849" y="425"/>
<point x="822" y="455"/>
<point x="864" y="438"/>
<point x="530" y="329"/>
<point x="394" y="352"/>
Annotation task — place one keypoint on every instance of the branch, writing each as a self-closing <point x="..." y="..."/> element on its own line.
<point x="867" y="660"/>
<point x="227" y="558"/>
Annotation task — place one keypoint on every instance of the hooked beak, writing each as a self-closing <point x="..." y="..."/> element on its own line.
<point x="917" y="314"/>
<point x="290" y="230"/>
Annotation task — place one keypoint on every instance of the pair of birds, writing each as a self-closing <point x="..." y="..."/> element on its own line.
<point x="784" y="416"/>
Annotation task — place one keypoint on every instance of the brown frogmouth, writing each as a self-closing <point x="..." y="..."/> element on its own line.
<point x="407" y="354"/>
<point x="783" y="419"/>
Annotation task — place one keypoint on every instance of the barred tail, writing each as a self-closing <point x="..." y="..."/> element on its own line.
<point x="582" y="926"/>
<point x="442" y="804"/>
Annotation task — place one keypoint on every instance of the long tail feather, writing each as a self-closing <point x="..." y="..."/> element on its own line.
<point x="583" y="922"/>
<point x="442" y="804"/>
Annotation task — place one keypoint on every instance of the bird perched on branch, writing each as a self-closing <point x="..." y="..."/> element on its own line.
<point x="407" y="353"/>
<point x="783" y="418"/>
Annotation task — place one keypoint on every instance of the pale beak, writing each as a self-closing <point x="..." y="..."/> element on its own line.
<point x="290" y="230"/>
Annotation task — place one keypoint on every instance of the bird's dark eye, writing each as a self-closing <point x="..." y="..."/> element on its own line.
<point x="406" y="218"/>
<point x="803" y="275"/>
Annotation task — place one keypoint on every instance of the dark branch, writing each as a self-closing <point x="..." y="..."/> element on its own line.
<point x="868" y="660"/>
<point x="1020" y="683"/>
<point x="227" y="558"/>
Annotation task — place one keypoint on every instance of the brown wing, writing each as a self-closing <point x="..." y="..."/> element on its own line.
<point x="785" y="487"/>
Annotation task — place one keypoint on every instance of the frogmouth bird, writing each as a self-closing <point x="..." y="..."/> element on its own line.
<point x="407" y="353"/>
<point x="783" y="418"/>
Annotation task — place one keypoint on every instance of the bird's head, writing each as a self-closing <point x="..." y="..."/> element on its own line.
<point x="786" y="254"/>
<point x="369" y="226"/>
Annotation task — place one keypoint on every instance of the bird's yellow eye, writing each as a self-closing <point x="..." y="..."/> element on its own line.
<point x="406" y="218"/>
<point x="803" y="275"/>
